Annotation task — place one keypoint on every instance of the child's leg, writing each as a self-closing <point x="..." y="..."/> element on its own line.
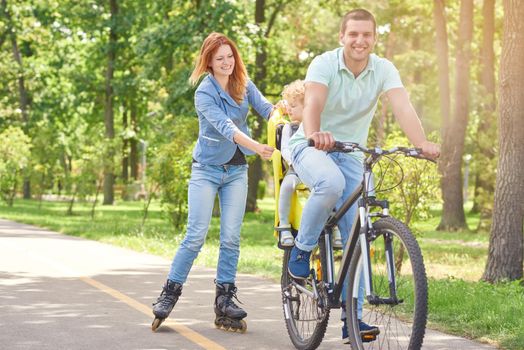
<point x="290" y="182"/>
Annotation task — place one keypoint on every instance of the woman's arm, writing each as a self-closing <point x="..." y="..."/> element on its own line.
<point x="263" y="150"/>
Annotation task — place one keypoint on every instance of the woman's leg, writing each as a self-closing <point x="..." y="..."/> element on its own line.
<point x="232" y="195"/>
<point x="203" y="187"/>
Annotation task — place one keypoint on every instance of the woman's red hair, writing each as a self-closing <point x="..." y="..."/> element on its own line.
<point x="237" y="81"/>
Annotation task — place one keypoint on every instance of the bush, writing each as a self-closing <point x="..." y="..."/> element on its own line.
<point x="15" y="151"/>
<point x="171" y="170"/>
<point x="412" y="198"/>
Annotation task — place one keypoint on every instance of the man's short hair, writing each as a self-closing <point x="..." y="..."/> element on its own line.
<point x="358" y="15"/>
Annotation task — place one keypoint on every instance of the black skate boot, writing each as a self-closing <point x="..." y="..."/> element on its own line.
<point x="165" y="302"/>
<point x="229" y="315"/>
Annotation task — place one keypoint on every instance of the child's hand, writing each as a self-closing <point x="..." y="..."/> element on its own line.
<point x="282" y="105"/>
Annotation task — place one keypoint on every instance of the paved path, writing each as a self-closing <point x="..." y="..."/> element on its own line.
<point x="62" y="292"/>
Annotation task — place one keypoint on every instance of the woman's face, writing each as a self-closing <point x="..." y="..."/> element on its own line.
<point x="223" y="61"/>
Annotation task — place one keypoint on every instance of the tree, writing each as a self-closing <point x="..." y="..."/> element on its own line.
<point x="255" y="173"/>
<point x="453" y="217"/>
<point x="442" y="50"/>
<point x="505" y="258"/>
<point x="109" y="176"/>
<point x="486" y="131"/>
<point x="23" y="95"/>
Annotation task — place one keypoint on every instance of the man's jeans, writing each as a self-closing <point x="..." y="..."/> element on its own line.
<point x="230" y="181"/>
<point x="331" y="178"/>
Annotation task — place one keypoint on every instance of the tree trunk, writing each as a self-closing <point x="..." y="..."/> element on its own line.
<point x="441" y="45"/>
<point x="487" y="131"/>
<point x="255" y="168"/>
<point x="255" y="172"/>
<point x="133" y="152"/>
<point x="505" y="259"/>
<point x="109" y="176"/>
<point x="23" y="95"/>
<point x="453" y="217"/>
<point x="125" y="148"/>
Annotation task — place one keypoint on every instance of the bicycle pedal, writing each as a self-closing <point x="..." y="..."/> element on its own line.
<point x="367" y="338"/>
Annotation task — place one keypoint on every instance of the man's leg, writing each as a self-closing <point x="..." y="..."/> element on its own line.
<point x="326" y="182"/>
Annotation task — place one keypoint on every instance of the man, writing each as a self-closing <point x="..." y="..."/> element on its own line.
<point x="342" y="90"/>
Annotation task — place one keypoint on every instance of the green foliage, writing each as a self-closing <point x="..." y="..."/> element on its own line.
<point x="261" y="192"/>
<point x="15" y="151"/>
<point x="171" y="170"/>
<point x="411" y="200"/>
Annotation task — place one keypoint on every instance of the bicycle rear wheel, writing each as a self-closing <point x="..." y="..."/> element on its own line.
<point x="402" y="324"/>
<point x="306" y="317"/>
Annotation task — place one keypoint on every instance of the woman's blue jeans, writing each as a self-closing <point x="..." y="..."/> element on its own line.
<point x="230" y="182"/>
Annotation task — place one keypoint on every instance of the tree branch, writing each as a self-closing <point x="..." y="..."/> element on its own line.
<point x="279" y="7"/>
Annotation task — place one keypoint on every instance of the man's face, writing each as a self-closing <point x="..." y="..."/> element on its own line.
<point x="358" y="40"/>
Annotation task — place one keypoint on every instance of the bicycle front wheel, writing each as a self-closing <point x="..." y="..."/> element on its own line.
<point x="400" y="307"/>
<point x="306" y="316"/>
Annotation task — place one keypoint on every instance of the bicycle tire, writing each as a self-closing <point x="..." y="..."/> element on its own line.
<point x="402" y="325"/>
<point x="305" y="319"/>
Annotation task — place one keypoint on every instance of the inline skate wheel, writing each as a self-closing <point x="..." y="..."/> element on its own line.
<point x="243" y="326"/>
<point x="156" y="323"/>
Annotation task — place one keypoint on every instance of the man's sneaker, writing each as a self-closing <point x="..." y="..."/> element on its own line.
<point x="345" y="335"/>
<point x="367" y="332"/>
<point x="298" y="266"/>
<point x="367" y="329"/>
<point x="337" y="238"/>
<point x="286" y="237"/>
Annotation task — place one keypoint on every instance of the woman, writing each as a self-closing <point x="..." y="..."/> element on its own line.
<point x="219" y="166"/>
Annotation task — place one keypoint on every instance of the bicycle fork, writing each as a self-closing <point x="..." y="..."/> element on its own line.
<point x="365" y="233"/>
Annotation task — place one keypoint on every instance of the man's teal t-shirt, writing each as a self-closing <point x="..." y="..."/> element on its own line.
<point x="351" y="102"/>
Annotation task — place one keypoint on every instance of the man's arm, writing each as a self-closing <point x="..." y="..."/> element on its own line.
<point x="409" y="122"/>
<point x="314" y="102"/>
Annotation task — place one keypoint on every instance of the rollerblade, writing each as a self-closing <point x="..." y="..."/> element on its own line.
<point x="229" y="316"/>
<point x="165" y="302"/>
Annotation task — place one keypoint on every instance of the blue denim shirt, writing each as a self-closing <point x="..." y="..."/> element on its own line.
<point x="220" y="116"/>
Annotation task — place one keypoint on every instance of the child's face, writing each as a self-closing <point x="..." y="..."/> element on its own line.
<point x="295" y="109"/>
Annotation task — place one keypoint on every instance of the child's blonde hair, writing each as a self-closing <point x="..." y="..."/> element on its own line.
<point x="294" y="91"/>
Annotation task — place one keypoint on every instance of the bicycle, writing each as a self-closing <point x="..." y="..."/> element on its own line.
<point x="382" y="254"/>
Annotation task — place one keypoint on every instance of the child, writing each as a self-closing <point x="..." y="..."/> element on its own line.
<point x="293" y="95"/>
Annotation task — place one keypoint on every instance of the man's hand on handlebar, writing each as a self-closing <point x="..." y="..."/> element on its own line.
<point x="324" y="140"/>
<point x="430" y="149"/>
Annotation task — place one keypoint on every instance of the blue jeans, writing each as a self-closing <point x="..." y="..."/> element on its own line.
<point x="331" y="178"/>
<point x="230" y="182"/>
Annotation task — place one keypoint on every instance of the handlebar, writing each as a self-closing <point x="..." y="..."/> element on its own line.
<point x="376" y="152"/>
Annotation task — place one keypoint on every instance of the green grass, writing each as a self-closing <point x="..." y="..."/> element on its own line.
<point x="459" y="304"/>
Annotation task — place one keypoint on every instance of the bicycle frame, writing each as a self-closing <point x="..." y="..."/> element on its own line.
<point x="359" y="230"/>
